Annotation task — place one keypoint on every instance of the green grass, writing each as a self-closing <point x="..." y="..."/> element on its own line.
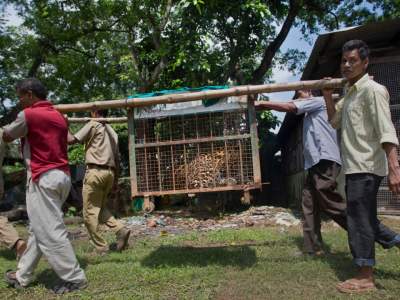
<point x="249" y="263"/>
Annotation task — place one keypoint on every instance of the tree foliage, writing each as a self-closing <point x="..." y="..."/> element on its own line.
<point x="90" y="50"/>
<point x="86" y="50"/>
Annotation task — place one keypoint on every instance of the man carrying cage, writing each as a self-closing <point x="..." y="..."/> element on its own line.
<point x="323" y="162"/>
<point x="369" y="153"/>
<point x="44" y="131"/>
<point x="102" y="163"/>
<point x="8" y="235"/>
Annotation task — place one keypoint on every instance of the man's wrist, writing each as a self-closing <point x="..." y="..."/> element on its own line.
<point x="394" y="167"/>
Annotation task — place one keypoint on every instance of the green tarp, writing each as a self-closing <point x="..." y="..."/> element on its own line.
<point x="206" y="102"/>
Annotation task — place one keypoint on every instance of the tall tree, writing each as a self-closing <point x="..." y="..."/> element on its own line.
<point x="88" y="50"/>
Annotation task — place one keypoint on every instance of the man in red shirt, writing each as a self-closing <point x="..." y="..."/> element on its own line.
<point x="43" y="132"/>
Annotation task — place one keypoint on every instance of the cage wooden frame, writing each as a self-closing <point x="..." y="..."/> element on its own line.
<point x="146" y="151"/>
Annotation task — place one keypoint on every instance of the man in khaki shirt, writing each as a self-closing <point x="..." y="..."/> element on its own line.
<point x="101" y="157"/>
<point x="8" y="234"/>
<point x="368" y="153"/>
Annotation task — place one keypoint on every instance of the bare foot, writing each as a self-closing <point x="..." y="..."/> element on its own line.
<point x="20" y="248"/>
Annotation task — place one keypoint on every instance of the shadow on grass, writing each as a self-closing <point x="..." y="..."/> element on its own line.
<point x="7" y="254"/>
<point x="241" y="243"/>
<point x="340" y="262"/>
<point x="241" y="256"/>
<point x="49" y="278"/>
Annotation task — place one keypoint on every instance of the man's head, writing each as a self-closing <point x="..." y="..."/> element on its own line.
<point x="102" y="113"/>
<point x="302" y="94"/>
<point x="29" y="91"/>
<point x="355" y="60"/>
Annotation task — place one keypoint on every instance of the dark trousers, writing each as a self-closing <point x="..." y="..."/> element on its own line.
<point x="363" y="225"/>
<point x="320" y="195"/>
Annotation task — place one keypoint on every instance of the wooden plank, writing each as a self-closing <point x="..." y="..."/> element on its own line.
<point x="194" y="141"/>
<point x="255" y="153"/>
<point x="384" y="59"/>
<point x="202" y="190"/>
<point x="132" y="153"/>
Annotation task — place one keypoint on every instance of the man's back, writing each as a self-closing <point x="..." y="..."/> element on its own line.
<point x="47" y="137"/>
<point x="319" y="138"/>
<point x="101" y="143"/>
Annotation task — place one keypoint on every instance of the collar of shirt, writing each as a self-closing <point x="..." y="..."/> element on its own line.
<point x="41" y="103"/>
<point x="358" y="85"/>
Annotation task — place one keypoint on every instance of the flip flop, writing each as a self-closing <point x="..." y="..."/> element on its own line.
<point x="352" y="287"/>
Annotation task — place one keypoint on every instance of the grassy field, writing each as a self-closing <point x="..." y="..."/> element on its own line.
<point x="248" y="263"/>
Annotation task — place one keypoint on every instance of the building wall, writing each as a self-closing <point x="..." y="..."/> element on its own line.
<point x="293" y="166"/>
<point x="386" y="70"/>
<point x="294" y="184"/>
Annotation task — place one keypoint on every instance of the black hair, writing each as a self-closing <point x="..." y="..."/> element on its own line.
<point x="34" y="85"/>
<point x="297" y="93"/>
<point x="103" y="112"/>
<point x="360" y="45"/>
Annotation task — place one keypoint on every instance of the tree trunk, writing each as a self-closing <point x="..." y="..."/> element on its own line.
<point x="273" y="47"/>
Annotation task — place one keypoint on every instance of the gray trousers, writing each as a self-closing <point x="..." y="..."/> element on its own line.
<point x="47" y="231"/>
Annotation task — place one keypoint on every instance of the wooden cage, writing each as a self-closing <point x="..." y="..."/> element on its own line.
<point x="194" y="148"/>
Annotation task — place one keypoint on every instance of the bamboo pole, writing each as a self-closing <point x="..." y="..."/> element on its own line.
<point x="185" y="97"/>
<point x="108" y="120"/>
<point x="125" y="119"/>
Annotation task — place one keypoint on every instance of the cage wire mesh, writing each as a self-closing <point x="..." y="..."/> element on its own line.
<point x="194" y="151"/>
<point x="387" y="74"/>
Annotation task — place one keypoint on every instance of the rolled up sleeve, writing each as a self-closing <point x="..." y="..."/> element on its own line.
<point x="381" y="117"/>
<point x="309" y="105"/>
<point x="85" y="133"/>
<point x="18" y="128"/>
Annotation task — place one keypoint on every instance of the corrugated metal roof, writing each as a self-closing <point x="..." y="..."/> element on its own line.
<point x="325" y="56"/>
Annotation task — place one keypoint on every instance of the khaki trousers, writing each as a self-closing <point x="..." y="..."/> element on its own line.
<point x="8" y="234"/>
<point x="97" y="185"/>
<point x="47" y="233"/>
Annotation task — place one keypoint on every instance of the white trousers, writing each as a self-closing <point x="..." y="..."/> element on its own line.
<point x="47" y="231"/>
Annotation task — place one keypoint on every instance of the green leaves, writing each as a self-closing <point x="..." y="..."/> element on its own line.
<point x="85" y="50"/>
<point x="259" y="7"/>
<point x="76" y="154"/>
<point x="196" y="3"/>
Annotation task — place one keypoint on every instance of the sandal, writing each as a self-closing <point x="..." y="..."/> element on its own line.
<point x="352" y="286"/>
<point x="11" y="279"/>
<point x="67" y="287"/>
